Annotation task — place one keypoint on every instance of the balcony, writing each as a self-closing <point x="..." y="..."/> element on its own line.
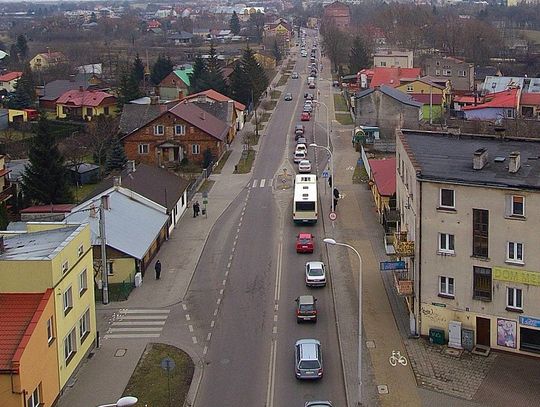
<point x="402" y="246"/>
<point x="402" y="282"/>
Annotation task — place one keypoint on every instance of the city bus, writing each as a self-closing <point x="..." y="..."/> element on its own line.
<point x="305" y="205"/>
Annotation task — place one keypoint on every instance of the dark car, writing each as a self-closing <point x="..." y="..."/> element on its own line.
<point x="306" y="308"/>
<point x="299" y="129"/>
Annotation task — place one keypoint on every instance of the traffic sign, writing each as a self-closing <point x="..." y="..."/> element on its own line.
<point x="333" y="216"/>
<point x="325" y="174"/>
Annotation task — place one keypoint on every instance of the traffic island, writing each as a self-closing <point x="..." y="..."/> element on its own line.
<point x="162" y="376"/>
<point x="245" y="163"/>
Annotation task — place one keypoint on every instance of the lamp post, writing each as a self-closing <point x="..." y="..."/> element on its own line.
<point x="127" y="401"/>
<point x="331" y="171"/>
<point x="317" y="102"/>
<point x="334" y="243"/>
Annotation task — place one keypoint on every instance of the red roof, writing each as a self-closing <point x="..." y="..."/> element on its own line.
<point x="92" y="98"/>
<point x="218" y="97"/>
<point x="19" y="314"/>
<point x="9" y="76"/>
<point x="58" y="208"/>
<point x="384" y="175"/>
<point x="530" y="99"/>
<point x="466" y="99"/>
<point x="193" y="114"/>
<point x="505" y="99"/>
<point x="392" y="76"/>
<point x="426" y="99"/>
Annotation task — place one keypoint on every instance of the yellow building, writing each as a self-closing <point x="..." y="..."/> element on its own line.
<point x="46" y="60"/>
<point x="433" y="96"/>
<point x="80" y="104"/>
<point x="265" y="60"/>
<point x="28" y="352"/>
<point x="56" y="256"/>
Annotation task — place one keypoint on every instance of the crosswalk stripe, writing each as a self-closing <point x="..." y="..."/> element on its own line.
<point x="145" y="311"/>
<point x="131" y="336"/>
<point x="139" y="329"/>
<point x="144" y="317"/>
<point x="262" y="183"/>
<point x="254" y="183"/>
<point x="135" y="323"/>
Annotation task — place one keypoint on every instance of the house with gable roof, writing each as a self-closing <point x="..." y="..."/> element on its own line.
<point x="495" y="106"/>
<point x="176" y="84"/>
<point x="46" y="60"/>
<point x="84" y="104"/>
<point x="213" y="95"/>
<point x="183" y="131"/>
<point x="9" y="80"/>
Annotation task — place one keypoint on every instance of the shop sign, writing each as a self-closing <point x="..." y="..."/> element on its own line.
<point x="392" y="265"/>
<point x="516" y="276"/>
<point x="528" y="321"/>
<point x="438" y="304"/>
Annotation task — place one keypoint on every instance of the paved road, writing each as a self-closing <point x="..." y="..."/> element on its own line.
<point x="242" y="294"/>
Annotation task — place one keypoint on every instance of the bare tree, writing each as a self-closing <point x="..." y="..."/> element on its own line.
<point x="335" y="45"/>
<point x="100" y="132"/>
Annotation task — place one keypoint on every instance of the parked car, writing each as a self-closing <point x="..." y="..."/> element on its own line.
<point x="294" y="75"/>
<point x="335" y="84"/>
<point x="304" y="243"/>
<point x="318" y="404"/>
<point x="288" y="96"/>
<point x="315" y="274"/>
<point x="299" y="156"/>
<point x="308" y="359"/>
<point x="304" y="166"/>
<point x="306" y="116"/>
<point x="306" y="308"/>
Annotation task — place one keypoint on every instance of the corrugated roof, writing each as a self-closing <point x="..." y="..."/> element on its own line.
<point x="392" y="76"/>
<point x="55" y="208"/>
<point x="77" y="97"/>
<point x="19" y="315"/>
<point x="131" y="226"/>
<point x="184" y="74"/>
<point x="384" y="175"/>
<point x="201" y="119"/>
<point x="426" y="98"/>
<point x="400" y="96"/>
<point x="530" y="99"/>
<point x="504" y="99"/>
<point x="495" y="84"/>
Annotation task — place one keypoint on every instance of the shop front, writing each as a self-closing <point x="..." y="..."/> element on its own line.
<point x="529" y="334"/>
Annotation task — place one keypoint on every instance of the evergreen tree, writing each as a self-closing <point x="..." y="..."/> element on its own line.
<point x="93" y="18"/>
<point x="359" y="56"/>
<point x="276" y="51"/>
<point x="138" y="68"/>
<point x="22" y="46"/>
<point x="161" y="68"/>
<point x="128" y="89"/>
<point x="13" y="55"/>
<point x="116" y="157"/>
<point x="25" y="90"/>
<point x="234" y="24"/>
<point x="4" y="219"/>
<point x="199" y="76"/>
<point x="257" y="79"/>
<point x="215" y="79"/>
<point x="45" y="179"/>
<point x="240" y="90"/>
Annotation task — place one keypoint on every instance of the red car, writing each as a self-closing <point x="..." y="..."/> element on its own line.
<point x="304" y="243"/>
<point x="306" y="117"/>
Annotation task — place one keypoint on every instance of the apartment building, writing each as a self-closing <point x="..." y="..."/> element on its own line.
<point x="469" y="236"/>
<point x="55" y="256"/>
<point x="393" y="59"/>
<point x="459" y="73"/>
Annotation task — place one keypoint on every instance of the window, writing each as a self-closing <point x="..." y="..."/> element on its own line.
<point x="438" y="63"/>
<point x="50" y="331"/>
<point x="410" y="88"/>
<point x="446" y="243"/>
<point x="83" y="282"/>
<point x="515" y="205"/>
<point x="510" y="113"/>
<point x="159" y="130"/>
<point x="143" y="148"/>
<point x="446" y="286"/>
<point x="35" y="398"/>
<point x="461" y="73"/>
<point x="68" y="301"/>
<point x="195" y="149"/>
<point x="447" y="199"/>
<point x="80" y="250"/>
<point x="106" y="110"/>
<point x="65" y="267"/>
<point x="514" y="252"/>
<point x="180" y="129"/>
<point x="89" y="111"/>
<point x="437" y="72"/>
<point x="514" y="299"/>
<point x="383" y="63"/>
<point x="482" y="283"/>
<point x="84" y="325"/>
<point x="70" y="346"/>
<point x="447" y="72"/>
<point x="480" y="232"/>
<point x="110" y="270"/>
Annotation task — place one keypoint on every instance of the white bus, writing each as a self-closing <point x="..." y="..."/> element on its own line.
<point x="305" y="205"/>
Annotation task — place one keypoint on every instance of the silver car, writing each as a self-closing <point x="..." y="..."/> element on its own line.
<point x="304" y="166"/>
<point x="308" y="362"/>
<point x="315" y="274"/>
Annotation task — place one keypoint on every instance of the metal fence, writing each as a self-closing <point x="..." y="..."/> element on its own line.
<point x="195" y="185"/>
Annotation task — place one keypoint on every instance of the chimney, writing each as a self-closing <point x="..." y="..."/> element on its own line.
<point x="2" y="246"/>
<point x="480" y="158"/>
<point x="154" y="100"/>
<point x="72" y="78"/>
<point x="117" y="181"/>
<point x="105" y="202"/>
<point x="81" y="89"/>
<point x="93" y="211"/>
<point x="515" y="162"/>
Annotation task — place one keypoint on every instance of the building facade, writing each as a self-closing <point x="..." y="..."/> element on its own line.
<point x="467" y="218"/>
<point x="393" y="59"/>
<point x="458" y="72"/>
<point x="338" y="14"/>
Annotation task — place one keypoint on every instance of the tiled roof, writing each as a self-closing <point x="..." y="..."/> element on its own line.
<point x="77" y="97"/>
<point x="9" y="76"/>
<point x="52" y="56"/>
<point x="57" y="208"/>
<point x="215" y="95"/>
<point x="135" y="116"/>
<point x="201" y="119"/>
<point x="505" y="99"/>
<point x="393" y="93"/>
<point x="53" y="90"/>
<point x="19" y="314"/>
<point x="384" y="175"/>
<point x="530" y="99"/>
<point x="392" y="76"/>
<point x="426" y="98"/>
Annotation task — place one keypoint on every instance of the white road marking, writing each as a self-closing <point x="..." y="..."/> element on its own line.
<point x="205" y="350"/>
<point x="223" y="283"/>
<point x="230" y="257"/>
<point x="275" y="318"/>
<point x="218" y="301"/>
<point x="190" y="328"/>
<point x="131" y="336"/>
<point x="208" y="336"/>
<point x="212" y="324"/>
<point x="215" y="312"/>
<point x="227" y="271"/>
<point x="271" y="375"/>
<point x="263" y="182"/>
<point x="194" y="339"/>
<point x="274" y="330"/>
<point x="140" y="329"/>
<point x="188" y="318"/>
<point x="254" y="183"/>
<point x="276" y="307"/>
<point x="143" y="317"/>
<point x="145" y="311"/>
<point x="228" y="266"/>
<point x="137" y="323"/>
<point x="184" y="306"/>
<point x="278" y="272"/>
<point x="221" y="291"/>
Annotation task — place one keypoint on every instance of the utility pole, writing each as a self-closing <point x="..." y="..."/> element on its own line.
<point x="104" y="272"/>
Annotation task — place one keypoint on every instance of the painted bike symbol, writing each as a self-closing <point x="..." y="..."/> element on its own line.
<point x="396" y="357"/>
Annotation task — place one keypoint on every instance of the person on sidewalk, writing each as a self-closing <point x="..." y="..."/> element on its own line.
<point x="197" y="208"/>
<point x="157" y="268"/>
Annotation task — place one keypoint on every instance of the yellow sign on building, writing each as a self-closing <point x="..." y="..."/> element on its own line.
<point x="516" y="276"/>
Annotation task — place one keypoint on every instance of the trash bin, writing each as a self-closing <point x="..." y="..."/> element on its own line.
<point x="203" y="211"/>
<point x="436" y="336"/>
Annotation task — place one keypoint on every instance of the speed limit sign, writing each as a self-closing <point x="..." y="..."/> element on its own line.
<point x="333" y="216"/>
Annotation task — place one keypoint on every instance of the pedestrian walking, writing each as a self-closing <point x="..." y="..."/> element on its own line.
<point x="157" y="268"/>
<point x="197" y="208"/>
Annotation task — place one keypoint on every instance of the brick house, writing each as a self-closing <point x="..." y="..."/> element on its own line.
<point x="458" y="72"/>
<point x="338" y="14"/>
<point x="184" y="131"/>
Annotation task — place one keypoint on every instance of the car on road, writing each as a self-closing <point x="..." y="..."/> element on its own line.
<point x="299" y="156"/>
<point x="301" y="147"/>
<point x="306" y="116"/>
<point x="304" y="166"/>
<point x="306" y="308"/>
<point x="308" y="359"/>
<point x="288" y="96"/>
<point x="335" y="84"/>
<point x="294" y="75"/>
<point x="311" y="85"/>
<point x="308" y="108"/>
<point x="309" y="96"/>
<point x="304" y="243"/>
<point x="301" y="140"/>
<point x="315" y="274"/>
<point x="318" y="404"/>
<point x="304" y="54"/>
<point x="299" y="129"/>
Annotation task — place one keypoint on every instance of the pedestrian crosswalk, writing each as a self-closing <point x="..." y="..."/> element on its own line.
<point x="261" y="183"/>
<point x="137" y="323"/>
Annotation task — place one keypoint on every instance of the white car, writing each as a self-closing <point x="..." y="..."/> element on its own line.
<point x="304" y="166"/>
<point x="315" y="274"/>
<point x="301" y="147"/>
<point x="299" y="156"/>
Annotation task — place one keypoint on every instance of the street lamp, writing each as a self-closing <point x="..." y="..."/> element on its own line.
<point x="317" y="102"/>
<point x="127" y="401"/>
<point x="334" y="243"/>
<point x="331" y="171"/>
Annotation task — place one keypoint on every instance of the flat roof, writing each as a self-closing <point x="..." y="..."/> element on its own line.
<point x="449" y="158"/>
